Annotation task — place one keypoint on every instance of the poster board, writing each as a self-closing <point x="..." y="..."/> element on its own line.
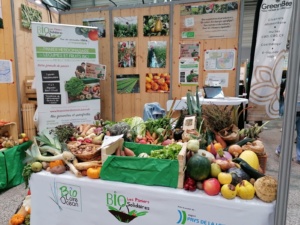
<point x="64" y="93"/>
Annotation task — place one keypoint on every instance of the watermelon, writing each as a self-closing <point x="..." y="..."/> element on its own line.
<point x="198" y="167"/>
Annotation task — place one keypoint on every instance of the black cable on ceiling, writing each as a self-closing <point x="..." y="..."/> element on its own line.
<point x="113" y="3"/>
<point x="143" y="1"/>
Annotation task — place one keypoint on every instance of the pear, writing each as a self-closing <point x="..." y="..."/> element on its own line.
<point x="97" y="140"/>
<point x="215" y="169"/>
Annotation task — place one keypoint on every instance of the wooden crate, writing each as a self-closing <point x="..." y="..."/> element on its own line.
<point x="29" y="92"/>
<point x="110" y="150"/>
<point x="11" y="130"/>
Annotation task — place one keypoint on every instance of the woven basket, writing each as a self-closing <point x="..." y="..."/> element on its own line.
<point x="85" y="152"/>
<point x="262" y="158"/>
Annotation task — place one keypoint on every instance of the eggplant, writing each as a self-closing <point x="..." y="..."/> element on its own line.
<point x="177" y="134"/>
<point x="238" y="175"/>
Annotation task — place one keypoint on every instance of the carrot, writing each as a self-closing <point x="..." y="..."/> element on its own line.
<point x="220" y="140"/>
<point x="128" y="152"/>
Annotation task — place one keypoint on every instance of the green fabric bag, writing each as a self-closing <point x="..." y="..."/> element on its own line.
<point x="3" y="174"/>
<point x="14" y="163"/>
<point x="146" y="171"/>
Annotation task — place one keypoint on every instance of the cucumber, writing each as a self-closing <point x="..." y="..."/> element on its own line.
<point x="253" y="173"/>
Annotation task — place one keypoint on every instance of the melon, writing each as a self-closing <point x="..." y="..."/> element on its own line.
<point x="198" y="167"/>
<point x="251" y="158"/>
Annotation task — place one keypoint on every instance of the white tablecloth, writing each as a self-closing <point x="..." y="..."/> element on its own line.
<point x="64" y="199"/>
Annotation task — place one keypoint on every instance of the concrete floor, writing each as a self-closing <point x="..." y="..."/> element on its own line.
<point x="11" y="199"/>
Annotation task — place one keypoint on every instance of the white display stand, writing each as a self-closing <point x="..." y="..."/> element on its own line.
<point x="65" y="199"/>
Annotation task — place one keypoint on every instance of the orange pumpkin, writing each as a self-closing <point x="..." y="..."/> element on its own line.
<point x="17" y="219"/>
<point x="94" y="172"/>
<point x="56" y="163"/>
<point x="217" y="146"/>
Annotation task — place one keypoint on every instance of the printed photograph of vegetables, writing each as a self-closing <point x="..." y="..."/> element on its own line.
<point x="157" y="54"/>
<point x="125" y="26"/>
<point x="129" y="83"/>
<point x="158" y="82"/>
<point x="29" y="15"/>
<point x="126" y="54"/>
<point x="208" y="8"/>
<point x="156" y="25"/>
<point x="82" y="89"/>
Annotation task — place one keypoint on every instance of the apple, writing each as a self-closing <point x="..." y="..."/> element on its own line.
<point x="25" y="139"/>
<point x="93" y="35"/>
<point x="212" y="186"/>
<point x="22" y="135"/>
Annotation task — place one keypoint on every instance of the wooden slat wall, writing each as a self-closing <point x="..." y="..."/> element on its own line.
<point x="23" y="61"/>
<point x="128" y="105"/>
<point x="124" y="105"/>
<point x="25" y="58"/>
<point x="8" y="92"/>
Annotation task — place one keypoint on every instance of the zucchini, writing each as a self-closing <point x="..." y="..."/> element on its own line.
<point x="253" y="173"/>
<point x="241" y="142"/>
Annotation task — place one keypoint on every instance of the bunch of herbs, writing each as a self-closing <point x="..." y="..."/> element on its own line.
<point x="64" y="132"/>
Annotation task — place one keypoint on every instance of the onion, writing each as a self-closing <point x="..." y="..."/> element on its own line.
<point x="224" y="155"/>
<point x="235" y="150"/>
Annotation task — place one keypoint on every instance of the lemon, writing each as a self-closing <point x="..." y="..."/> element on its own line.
<point x="251" y="158"/>
<point x="228" y="191"/>
<point x="224" y="178"/>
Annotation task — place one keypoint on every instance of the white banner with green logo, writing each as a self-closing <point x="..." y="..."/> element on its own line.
<point x="270" y="52"/>
<point x="64" y="199"/>
<point x="65" y="93"/>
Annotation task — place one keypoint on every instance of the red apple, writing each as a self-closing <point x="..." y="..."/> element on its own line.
<point x="211" y="186"/>
<point x="93" y="35"/>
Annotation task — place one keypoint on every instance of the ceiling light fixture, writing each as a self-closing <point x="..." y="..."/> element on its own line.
<point x="38" y="2"/>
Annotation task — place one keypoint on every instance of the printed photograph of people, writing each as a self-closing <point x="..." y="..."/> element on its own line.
<point x="80" y="70"/>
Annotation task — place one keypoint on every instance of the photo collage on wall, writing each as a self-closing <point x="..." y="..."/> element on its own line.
<point x="153" y="25"/>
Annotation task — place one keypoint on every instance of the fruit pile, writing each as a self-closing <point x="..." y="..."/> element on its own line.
<point x="230" y="173"/>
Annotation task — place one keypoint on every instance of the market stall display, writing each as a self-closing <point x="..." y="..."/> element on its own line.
<point x="212" y="157"/>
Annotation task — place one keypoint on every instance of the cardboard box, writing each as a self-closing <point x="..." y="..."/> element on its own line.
<point x="145" y="171"/>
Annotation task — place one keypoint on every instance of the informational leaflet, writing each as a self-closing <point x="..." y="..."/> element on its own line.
<point x="6" y="75"/>
<point x="223" y="59"/>
<point x="65" y="92"/>
<point x="270" y="53"/>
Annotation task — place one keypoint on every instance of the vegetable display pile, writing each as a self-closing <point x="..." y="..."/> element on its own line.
<point x="214" y="164"/>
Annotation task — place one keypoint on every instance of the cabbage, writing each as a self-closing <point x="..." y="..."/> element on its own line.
<point x="138" y="126"/>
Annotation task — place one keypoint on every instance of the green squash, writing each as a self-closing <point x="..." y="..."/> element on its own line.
<point x="198" y="167"/>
